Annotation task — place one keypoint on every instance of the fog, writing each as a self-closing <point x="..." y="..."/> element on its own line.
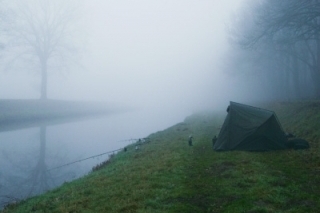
<point x="162" y="59"/>
<point x="158" y="56"/>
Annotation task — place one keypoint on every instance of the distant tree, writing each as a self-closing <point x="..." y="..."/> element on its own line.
<point x="290" y="31"/>
<point x="2" y="20"/>
<point x="39" y="32"/>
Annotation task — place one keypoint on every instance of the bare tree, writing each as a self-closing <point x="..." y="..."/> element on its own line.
<point x="295" y="24"/>
<point x="290" y="31"/>
<point x="39" y="33"/>
<point x="3" y="16"/>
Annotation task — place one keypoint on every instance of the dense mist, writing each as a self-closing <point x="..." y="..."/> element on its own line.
<point x="160" y="60"/>
<point x="155" y="62"/>
<point x="158" y="56"/>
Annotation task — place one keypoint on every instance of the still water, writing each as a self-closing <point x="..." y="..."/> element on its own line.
<point x="29" y="157"/>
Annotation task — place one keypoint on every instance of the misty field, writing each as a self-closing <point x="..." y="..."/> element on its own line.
<point x="167" y="175"/>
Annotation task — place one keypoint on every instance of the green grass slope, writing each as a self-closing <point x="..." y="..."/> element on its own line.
<point x="166" y="175"/>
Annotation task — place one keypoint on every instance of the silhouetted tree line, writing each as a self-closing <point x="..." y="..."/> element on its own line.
<point x="281" y="41"/>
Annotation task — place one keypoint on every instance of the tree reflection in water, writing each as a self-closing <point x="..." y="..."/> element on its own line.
<point x="29" y="175"/>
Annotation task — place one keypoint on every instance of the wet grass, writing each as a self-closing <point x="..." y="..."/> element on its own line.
<point x="166" y="175"/>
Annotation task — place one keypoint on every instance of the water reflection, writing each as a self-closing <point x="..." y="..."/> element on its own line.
<point x="38" y="178"/>
<point x="24" y="168"/>
<point x="28" y="156"/>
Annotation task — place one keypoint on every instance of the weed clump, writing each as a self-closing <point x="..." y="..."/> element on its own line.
<point x="103" y="164"/>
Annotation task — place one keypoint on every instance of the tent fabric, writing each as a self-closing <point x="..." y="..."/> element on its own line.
<point x="250" y="128"/>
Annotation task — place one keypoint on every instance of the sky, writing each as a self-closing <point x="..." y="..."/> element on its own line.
<point x="159" y="57"/>
<point x="156" y="53"/>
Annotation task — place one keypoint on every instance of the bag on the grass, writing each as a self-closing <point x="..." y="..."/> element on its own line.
<point x="298" y="143"/>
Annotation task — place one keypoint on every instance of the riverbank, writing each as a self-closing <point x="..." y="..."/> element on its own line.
<point x="167" y="175"/>
<point x="19" y="114"/>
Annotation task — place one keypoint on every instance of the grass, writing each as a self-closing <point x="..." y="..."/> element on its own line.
<point x="166" y="175"/>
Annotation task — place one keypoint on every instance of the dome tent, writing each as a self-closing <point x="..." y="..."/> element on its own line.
<point x="251" y="129"/>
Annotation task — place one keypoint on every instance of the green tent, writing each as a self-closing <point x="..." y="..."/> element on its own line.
<point x="250" y="128"/>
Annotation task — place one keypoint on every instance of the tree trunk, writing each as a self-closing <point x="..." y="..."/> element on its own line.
<point x="44" y="79"/>
<point x="43" y="130"/>
<point x="296" y="76"/>
<point x="40" y="178"/>
<point x="316" y="72"/>
<point x="42" y="160"/>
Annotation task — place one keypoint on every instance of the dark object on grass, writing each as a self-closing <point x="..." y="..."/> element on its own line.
<point x="289" y="135"/>
<point x="190" y="140"/>
<point x="214" y="140"/>
<point x="103" y="164"/>
<point x="298" y="143"/>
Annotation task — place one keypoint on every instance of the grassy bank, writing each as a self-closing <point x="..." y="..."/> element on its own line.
<point x="166" y="175"/>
